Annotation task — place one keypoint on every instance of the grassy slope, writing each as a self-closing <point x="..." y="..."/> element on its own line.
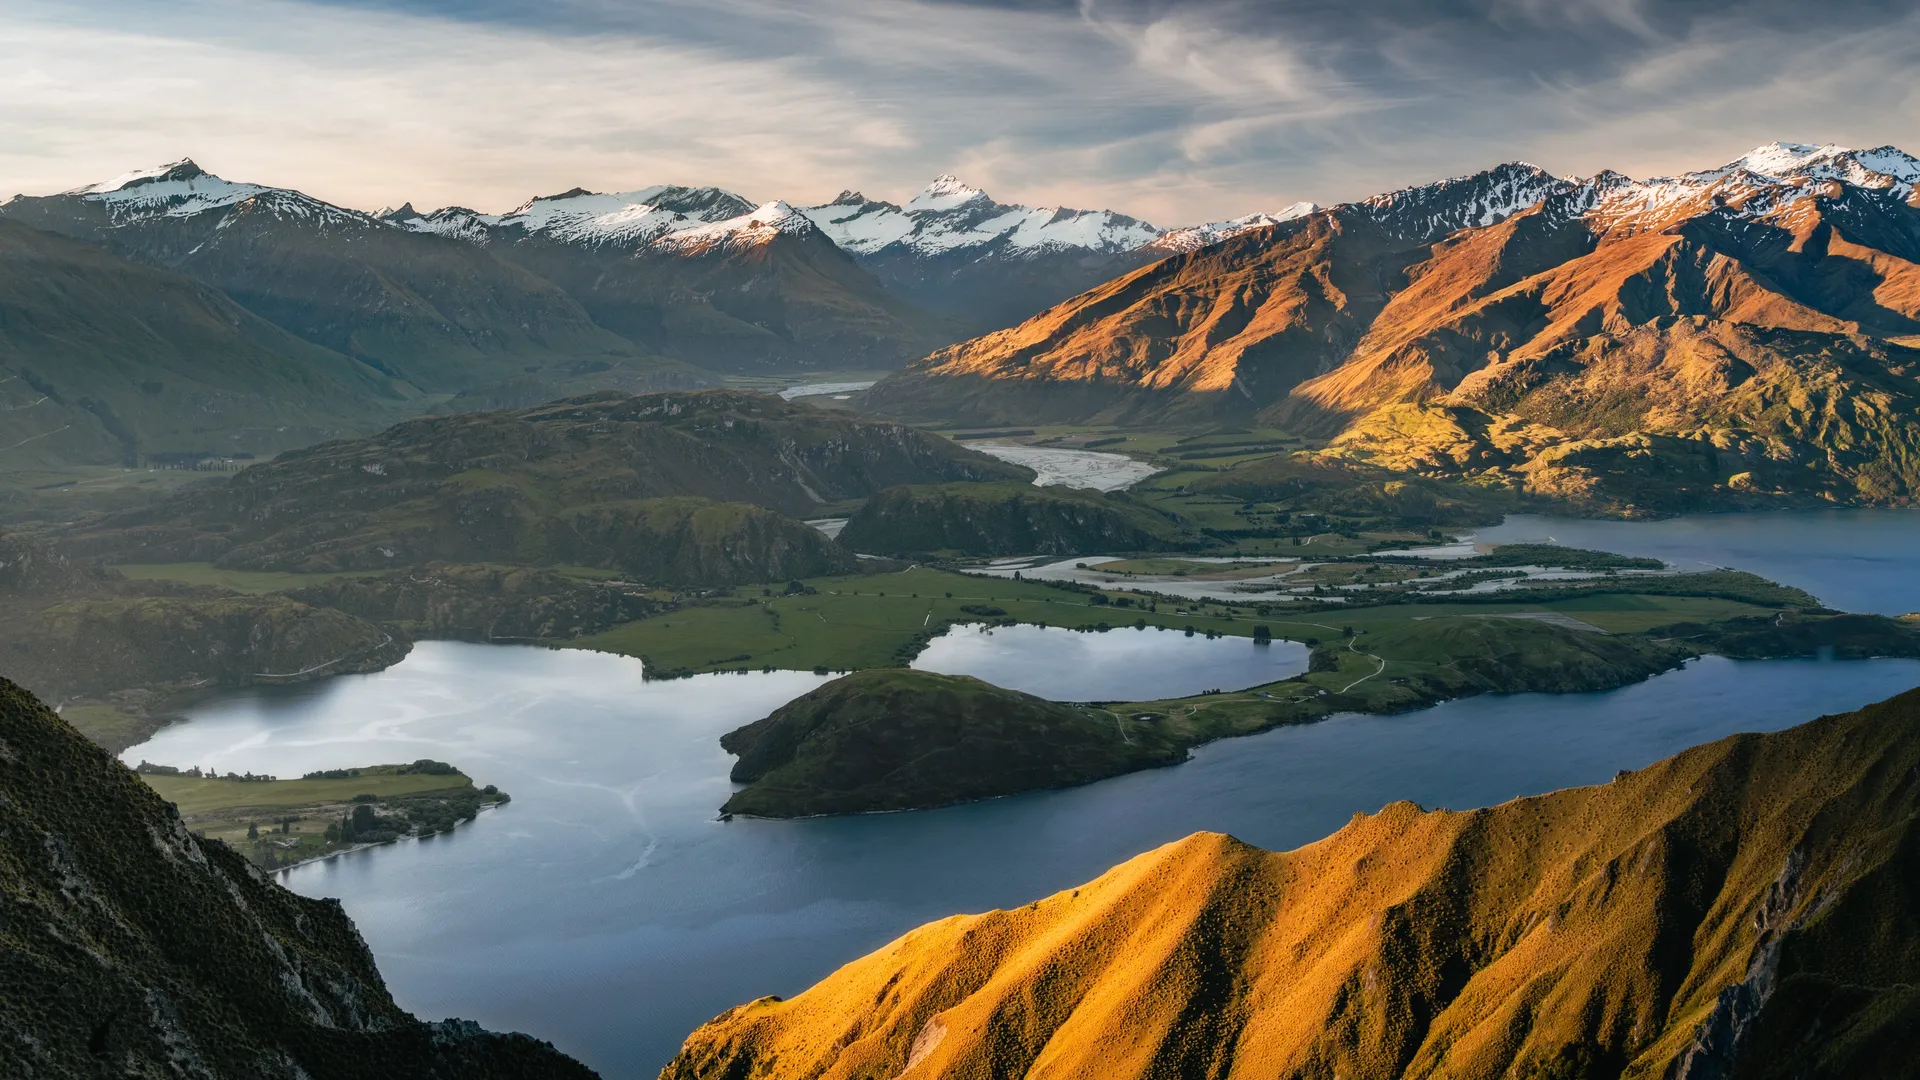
<point x="869" y="621"/>
<point x="251" y="582"/>
<point x="102" y="359"/>
<point x="606" y="480"/>
<point x="198" y="795"/>
<point x="1742" y="909"/>
<point x="1007" y="519"/>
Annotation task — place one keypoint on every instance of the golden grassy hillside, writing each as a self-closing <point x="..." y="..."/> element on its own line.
<point x="1747" y="907"/>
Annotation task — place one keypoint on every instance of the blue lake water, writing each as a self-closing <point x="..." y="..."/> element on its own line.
<point x="606" y="908"/>
<point x="1120" y="665"/>
<point x="1853" y="560"/>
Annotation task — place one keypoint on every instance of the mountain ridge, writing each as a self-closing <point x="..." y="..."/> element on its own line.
<point x="1756" y="329"/>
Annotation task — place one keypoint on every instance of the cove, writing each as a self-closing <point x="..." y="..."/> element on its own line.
<point x="608" y="910"/>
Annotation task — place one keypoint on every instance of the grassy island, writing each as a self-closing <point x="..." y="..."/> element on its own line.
<point x="278" y="823"/>
<point x="899" y="740"/>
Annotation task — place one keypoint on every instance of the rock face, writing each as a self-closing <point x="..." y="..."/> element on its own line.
<point x="669" y="488"/>
<point x="1007" y="519"/>
<point x="1744" y="335"/>
<point x="1743" y="909"/>
<point x="890" y="739"/>
<point x="105" y="361"/>
<point x="136" y="949"/>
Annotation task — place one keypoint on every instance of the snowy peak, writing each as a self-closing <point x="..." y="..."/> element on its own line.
<point x="182" y="189"/>
<point x="1432" y="212"/>
<point x="632" y="219"/>
<point x="1767" y="180"/>
<point x="950" y="215"/>
<point x="947" y="192"/>
<point x="1196" y="237"/>
<point x="182" y="170"/>
<point x="456" y="222"/>
<point x="1881" y="167"/>
<point x="680" y="220"/>
<point x="176" y="189"/>
<point x="757" y="226"/>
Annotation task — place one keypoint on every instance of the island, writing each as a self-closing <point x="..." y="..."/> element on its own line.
<point x="892" y="739"/>
<point x="279" y="824"/>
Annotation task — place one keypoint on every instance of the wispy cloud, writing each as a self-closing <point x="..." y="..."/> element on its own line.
<point x="1173" y="111"/>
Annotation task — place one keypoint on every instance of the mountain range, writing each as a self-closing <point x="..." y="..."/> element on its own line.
<point x="199" y="316"/>
<point x="1740" y="336"/>
<point x="1737" y="335"/>
<point x="700" y="274"/>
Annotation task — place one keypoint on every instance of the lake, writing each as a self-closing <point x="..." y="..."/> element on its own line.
<point x="1854" y="560"/>
<point x="606" y="908"/>
<point x="1119" y="665"/>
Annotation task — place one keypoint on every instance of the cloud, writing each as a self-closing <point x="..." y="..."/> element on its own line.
<point x="1175" y="112"/>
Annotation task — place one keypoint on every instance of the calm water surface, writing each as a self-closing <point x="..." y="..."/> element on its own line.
<point x="1854" y="560"/>
<point x="607" y="910"/>
<point x="1119" y="665"/>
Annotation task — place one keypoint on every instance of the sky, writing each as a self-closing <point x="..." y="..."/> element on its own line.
<point x="1176" y="112"/>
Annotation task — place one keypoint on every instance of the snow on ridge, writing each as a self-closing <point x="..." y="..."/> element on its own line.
<point x="947" y="192"/>
<point x="455" y="222"/>
<point x="182" y="189"/>
<point x="950" y="215"/>
<point x="176" y="189"/>
<point x="1213" y="232"/>
<point x="757" y="226"/>
<point x="1459" y="202"/>
<point x="1765" y="180"/>
<point x="633" y="218"/>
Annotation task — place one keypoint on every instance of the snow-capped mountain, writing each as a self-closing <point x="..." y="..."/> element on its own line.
<point x="181" y="190"/>
<point x="664" y="217"/>
<point x="949" y="216"/>
<point x="953" y="249"/>
<point x="1773" y="278"/>
<point x="1767" y="180"/>
<point x="442" y="315"/>
<point x="1195" y="237"/>
<point x="950" y="248"/>
<point x="1431" y="212"/>
<point x="702" y="274"/>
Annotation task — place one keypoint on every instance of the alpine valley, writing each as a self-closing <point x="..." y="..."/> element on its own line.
<point x="895" y="605"/>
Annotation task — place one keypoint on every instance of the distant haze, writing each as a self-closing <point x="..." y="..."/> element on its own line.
<point x="1178" y="112"/>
